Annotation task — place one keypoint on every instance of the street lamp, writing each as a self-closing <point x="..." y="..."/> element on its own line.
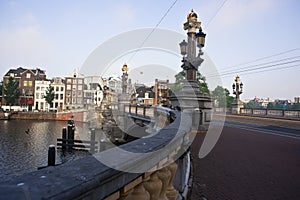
<point x="192" y="61"/>
<point x="200" y="39"/>
<point x="237" y="87"/>
<point x="124" y="78"/>
<point x="183" y="47"/>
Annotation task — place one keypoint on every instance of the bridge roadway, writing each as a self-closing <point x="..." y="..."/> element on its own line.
<point x="249" y="162"/>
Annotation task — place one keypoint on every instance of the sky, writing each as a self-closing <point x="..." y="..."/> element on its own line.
<point x="60" y="36"/>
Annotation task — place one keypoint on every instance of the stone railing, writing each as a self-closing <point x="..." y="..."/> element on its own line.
<point x="153" y="167"/>
<point x="276" y="113"/>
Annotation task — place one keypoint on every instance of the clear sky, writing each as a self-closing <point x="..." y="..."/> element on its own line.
<point x="58" y="36"/>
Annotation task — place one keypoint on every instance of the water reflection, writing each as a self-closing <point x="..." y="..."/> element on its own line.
<point x="24" y="151"/>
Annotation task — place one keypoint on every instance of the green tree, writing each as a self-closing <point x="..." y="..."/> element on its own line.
<point x="49" y="97"/>
<point x="181" y="76"/>
<point x="11" y="91"/>
<point x="221" y="97"/>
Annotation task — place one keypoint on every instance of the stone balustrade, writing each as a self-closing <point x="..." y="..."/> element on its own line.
<point x="154" y="167"/>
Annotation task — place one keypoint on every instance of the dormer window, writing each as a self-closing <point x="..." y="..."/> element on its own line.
<point x="28" y="75"/>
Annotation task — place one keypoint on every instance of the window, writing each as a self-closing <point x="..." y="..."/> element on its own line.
<point x="73" y="100"/>
<point x="74" y="87"/>
<point x="74" y="81"/>
<point x="80" y="81"/>
<point x="56" y="89"/>
<point x="68" y="87"/>
<point x="69" y="81"/>
<point x="42" y="89"/>
<point x="79" y="93"/>
<point x="56" y="104"/>
<point x="37" y="96"/>
<point x="61" y="96"/>
<point x="38" y="88"/>
<point x="61" y="88"/>
<point x="79" y="100"/>
<point x="56" y="96"/>
<point x="25" y="83"/>
<point x="28" y="75"/>
<point x="30" y="83"/>
<point x="79" y="87"/>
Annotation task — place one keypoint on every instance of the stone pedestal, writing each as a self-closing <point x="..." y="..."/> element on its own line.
<point x="236" y="106"/>
<point x="119" y="114"/>
<point x="197" y="104"/>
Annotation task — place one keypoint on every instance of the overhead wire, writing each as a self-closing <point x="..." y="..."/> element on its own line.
<point x="151" y="32"/>
<point x="251" y="66"/>
<point x="215" y="14"/>
<point x="263" y="58"/>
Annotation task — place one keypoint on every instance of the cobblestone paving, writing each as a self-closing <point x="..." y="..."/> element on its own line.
<point x="247" y="165"/>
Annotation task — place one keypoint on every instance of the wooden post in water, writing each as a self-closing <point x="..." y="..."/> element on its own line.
<point x="71" y="130"/>
<point x="64" y="137"/>
<point x="51" y="155"/>
<point x="92" y="150"/>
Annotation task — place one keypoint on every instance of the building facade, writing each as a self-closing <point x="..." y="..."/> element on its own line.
<point x="26" y="79"/>
<point x="59" y="94"/>
<point x="40" y="103"/>
<point x="93" y="91"/>
<point x="74" y="90"/>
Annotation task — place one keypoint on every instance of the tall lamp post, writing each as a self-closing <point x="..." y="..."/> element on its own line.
<point x="190" y="99"/>
<point x="237" y="88"/>
<point x="124" y="78"/>
<point x="192" y="60"/>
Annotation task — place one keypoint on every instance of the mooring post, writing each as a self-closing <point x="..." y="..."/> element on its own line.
<point x="51" y="155"/>
<point x="64" y="137"/>
<point x="71" y="130"/>
<point x="92" y="141"/>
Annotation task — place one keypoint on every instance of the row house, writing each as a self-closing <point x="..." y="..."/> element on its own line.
<point x="41" y="87"/>
<point x="59" y="94"/>
<point x="74" y="90"/>
<point x="26" y="79"/>
<point x="93" y="91"/>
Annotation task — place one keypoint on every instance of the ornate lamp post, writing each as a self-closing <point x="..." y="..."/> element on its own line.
<point x="237" y="88"/>
<point x="124" y="78"/>
<point x="191" y="60"/>
<point x="190" y="99"/>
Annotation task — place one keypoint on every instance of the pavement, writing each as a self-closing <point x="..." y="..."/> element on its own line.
<point x="248" y="163"/>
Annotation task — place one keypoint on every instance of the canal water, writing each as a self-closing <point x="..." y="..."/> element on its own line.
<point x="24" y="151"/>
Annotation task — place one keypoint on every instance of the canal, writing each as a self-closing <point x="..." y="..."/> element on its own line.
<point x="24" y="145"/>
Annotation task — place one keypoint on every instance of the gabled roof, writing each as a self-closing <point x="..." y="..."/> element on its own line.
<point x="20" y="70"/>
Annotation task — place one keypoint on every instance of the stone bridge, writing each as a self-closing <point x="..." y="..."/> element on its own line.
<point x="156" y="166"/>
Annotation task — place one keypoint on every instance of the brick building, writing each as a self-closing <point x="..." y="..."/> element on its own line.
<point x="26" y="78"/>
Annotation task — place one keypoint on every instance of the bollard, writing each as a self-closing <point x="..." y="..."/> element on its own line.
<point x="71" y="130"/>
<point x="102" y="145"/>
<point x="64" y="137"/>
<point x="92" y="150"/>
<point x="51" y="155"/>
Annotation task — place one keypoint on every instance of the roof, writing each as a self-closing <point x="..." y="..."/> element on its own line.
<point x="20" y="70"/>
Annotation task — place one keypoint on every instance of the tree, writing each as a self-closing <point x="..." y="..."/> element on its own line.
<point x="181" y="76"/>
<point x="221" y="97"/>
<point x="49" y="97"/>
<point x="11" y="91"/>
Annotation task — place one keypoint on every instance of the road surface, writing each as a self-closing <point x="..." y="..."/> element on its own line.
<point x="248" y="162"/>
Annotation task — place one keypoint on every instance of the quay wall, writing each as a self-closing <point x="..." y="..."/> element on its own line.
<point x="79" y="116"/>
